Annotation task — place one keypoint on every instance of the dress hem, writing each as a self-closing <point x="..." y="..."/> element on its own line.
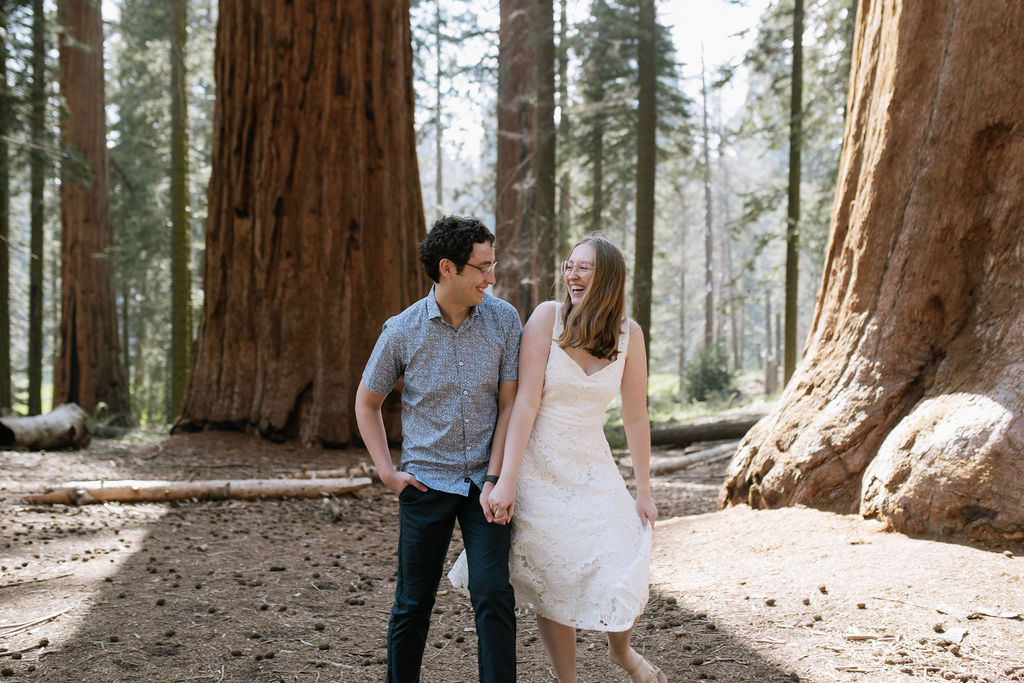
<point x="586" y="626"/>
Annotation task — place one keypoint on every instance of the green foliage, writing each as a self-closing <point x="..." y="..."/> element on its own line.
<point x="708" y="374"/>
<point x="139" y="97"/>
<point x="828" y="38"/>
<point x="603" y="143"/>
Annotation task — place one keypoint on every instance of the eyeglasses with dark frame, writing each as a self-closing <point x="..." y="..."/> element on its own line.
<point x="485" y="269"/>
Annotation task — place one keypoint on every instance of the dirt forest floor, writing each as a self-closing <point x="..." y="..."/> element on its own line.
<point x="276" y="590"/>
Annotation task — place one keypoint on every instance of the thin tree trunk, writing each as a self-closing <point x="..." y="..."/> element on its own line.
<point x="89" y="371"/>
<point x="126" y="360"/>
<point x="315" y="211"/>
<point x="181" y="238"/>
<point x="5" y="223"/>
<point x="909" y="403"/>
<point x="709" y="279"/>
<point x="778" y="336"/>
<point x="37" y="187"/>
<point x="143" y="382"/>
<point x="544" y="257"/>
<point x="647" y="123"/>
<point x="771" y="361"/>
<point x="564" y="131"/>
<point x="597" y="180"/>
<point x="682" y="292"/>
<point x="735" y="309"/>
<point x="438" y="127"/>
<point x="793" y="203"/>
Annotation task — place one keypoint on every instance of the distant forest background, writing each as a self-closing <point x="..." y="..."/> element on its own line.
<point x="723" y="189"/>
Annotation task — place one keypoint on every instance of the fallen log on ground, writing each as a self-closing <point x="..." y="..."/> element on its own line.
<point x="710" y="429"/>
<point x="360" y="470"/>
<point x="683" y="434"/>
<point x="126" y="491"/>
<point x="702" y="457"/>
<point x="63" y="427"/>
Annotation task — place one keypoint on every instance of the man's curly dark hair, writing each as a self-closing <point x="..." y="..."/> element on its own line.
<point x="452" y="237"/>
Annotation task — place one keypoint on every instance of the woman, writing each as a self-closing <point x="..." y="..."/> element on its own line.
<point x="580" y="543"/>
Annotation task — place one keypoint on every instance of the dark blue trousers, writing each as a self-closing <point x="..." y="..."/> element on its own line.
<point x="426" y="522"/>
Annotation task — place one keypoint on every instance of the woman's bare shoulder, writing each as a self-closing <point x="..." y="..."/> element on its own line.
<point x="544" y="313"/>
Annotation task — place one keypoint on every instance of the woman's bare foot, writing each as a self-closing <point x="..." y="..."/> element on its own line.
<point x="639" y="669"/>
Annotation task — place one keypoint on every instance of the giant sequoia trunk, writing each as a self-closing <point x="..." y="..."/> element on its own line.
<point x="909" y="404"/>
<point x="89" y="368"/>
<point x="525" y="199"/>
<point x="314" y="214"/>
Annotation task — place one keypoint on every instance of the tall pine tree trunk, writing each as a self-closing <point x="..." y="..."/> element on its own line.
<point x="709" y="273"/>
<point x="597" y="178"/>
<point x="438" y="123"/>
<point x="181" y="274"/>
<point x="5" y="223"/>
<point x="524" y="209"/>
<point x="564" y="211"/>
<point x="89" y="370"/>
<point x="37" y="183"/>
<point x="909" y="403"/>
<point x="315" y="212"/>
<point x="544" y="260"/>
<point x="793" y="197"/>
<point x="647" y="123"/>
<point x="680" y="193"/>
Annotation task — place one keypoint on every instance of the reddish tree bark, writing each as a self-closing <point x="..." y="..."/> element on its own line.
<point x="909" y="404"/>
<point x="89" y="367"/>
<point x="314" y="214"/>
<point x="525" y="200"/>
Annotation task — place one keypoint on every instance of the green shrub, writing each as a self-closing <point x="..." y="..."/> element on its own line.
<point x="707" y="374"/>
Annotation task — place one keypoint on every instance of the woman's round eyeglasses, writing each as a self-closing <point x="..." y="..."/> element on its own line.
<point x="581" y="268"/>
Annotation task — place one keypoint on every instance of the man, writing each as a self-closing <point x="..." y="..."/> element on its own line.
<point x="457" y="350"/>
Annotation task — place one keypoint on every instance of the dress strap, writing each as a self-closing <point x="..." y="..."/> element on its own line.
<point x="556" y="329"/>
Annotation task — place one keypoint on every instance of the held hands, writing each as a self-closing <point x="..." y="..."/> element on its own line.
<point x="502" y="501"/>
<point x="485" y="502"/>
<point x="646" y="509"/>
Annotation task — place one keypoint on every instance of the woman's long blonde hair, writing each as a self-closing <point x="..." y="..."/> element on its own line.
<point x="594" y="323"/>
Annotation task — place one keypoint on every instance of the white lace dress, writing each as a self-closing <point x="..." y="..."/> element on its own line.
<point x="580" y="554"/>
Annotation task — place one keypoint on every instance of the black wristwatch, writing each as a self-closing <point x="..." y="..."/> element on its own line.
<point x="492" y="478"/>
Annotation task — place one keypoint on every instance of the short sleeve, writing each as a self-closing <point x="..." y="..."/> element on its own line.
<point x="386" y="364"/>
<point x="509" y="369"/>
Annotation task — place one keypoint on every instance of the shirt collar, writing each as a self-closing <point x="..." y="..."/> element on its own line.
<point x="434" y="311"/>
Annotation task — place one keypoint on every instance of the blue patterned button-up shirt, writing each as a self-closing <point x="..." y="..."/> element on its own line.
<point x="450" y="397"/>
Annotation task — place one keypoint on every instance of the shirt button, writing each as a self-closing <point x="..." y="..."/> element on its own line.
<point x="469" y="448"/>
<point x="461" y="363"/>
<point x="466" y="420"/>
<point x="466" y="393"/>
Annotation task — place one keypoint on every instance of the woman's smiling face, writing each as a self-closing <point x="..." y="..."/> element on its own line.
<point x="578" y="271"/>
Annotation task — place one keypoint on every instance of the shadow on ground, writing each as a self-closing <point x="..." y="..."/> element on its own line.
<point x="254" y="590"/>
